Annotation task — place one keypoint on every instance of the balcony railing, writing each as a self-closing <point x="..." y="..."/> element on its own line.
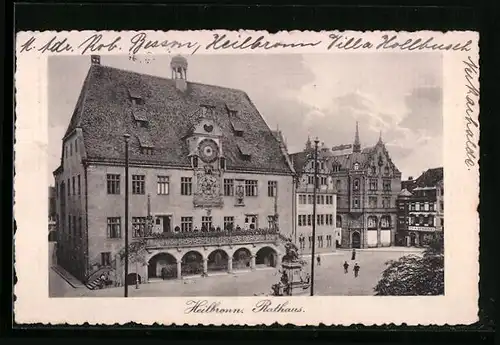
<point x="212" y="238"/>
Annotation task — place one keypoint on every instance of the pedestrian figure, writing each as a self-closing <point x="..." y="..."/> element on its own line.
<point x="346" y="267"/>
<point x="353" y="257"/>
<point x="356" y="270"/>
<point x="318" y="259"/>
<point x="164" y="273"/>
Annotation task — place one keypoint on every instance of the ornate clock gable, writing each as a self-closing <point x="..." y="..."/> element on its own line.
<point x="205" y="141"/>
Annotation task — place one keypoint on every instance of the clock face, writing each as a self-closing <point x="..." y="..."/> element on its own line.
<point x="209" y="151"/>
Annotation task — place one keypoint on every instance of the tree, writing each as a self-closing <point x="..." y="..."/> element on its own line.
<point x="136" y="252"/>
<point x="415" y="275"/>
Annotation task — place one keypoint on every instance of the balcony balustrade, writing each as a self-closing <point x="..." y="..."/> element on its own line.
<point x="212" y="238"/>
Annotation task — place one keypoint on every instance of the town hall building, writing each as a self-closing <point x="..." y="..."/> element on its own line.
<point x="210" y="189"/>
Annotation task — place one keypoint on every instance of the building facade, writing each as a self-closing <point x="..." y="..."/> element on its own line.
<point x="210" y="185"/>
<point x="328" y="237"/>
<point x="366" y="184"/>
<point x="420" y="208"/>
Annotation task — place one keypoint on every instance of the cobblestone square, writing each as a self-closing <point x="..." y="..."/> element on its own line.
<point x="330" y="279"/>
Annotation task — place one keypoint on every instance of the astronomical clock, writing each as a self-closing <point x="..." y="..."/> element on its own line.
<point x="205" y="152"/>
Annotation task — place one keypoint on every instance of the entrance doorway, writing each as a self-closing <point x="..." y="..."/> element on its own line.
<point x="413" y="239"/>
<point x="356" y="240"/>
<point x="164" y="223"/>
<point x="162" y="265"/>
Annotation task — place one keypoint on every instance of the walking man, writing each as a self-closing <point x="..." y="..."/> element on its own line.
<point x="318" y="259"/>
<point x="356" y="270"/>
<point x="346" y="267"/>
<point x="353" y="257"/>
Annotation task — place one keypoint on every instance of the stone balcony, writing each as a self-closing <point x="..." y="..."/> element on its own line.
<point x="215" y="238"/>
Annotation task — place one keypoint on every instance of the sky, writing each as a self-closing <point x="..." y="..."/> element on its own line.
<point x="316" y="95"/>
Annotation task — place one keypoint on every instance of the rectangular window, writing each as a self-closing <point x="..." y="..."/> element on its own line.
<point x="80" y="228"/>
<point x="113" y="183"/>
<point x="251" y="221"/>
<point x="138" y="226"/>
<point x="114" y="227"/>
<point x="251" y="187"/>
<point x="228" y="187"/>
<point x="186" y="186"/>
<point x="71" y="148"/>
<point x="387" y="185"/>
<point x="163" y="185"/>
<point x="426" y="207"/>
<point x="272" y="186"/>
<point x="310" y="199"/>
<point x="228" y="223"/>
<point x="206" y="222"/>
<point x="356" y="203"/>
<point x="302" y="220"/>
<point x="338" y="184"/>
<point x="309" y="219"/>
<point x="79" y="185"/>
<point x="73" y="185"/>
<point x="310" y="179"/>
<point x="373" y="184"/>
<point x="76" y="146"/>
<point x="69" y="225"/>
<point x="302" y="199"/>
<point x="431" y="206"/>
<point x="323" y="181"/>
<point x="186" y="224"/>
<point x="106" y="258"/>
<point x="417" y="206"/>
<point x="386" y="202"/>
<point x="412" y="206"/>
<point x="372" y="200"/>
<point x="330" y="217"/>
<point x="138" y="184"/>
<point x="270" y="222"/>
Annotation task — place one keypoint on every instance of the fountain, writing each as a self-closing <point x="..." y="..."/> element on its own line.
<point x="293" y="281"/>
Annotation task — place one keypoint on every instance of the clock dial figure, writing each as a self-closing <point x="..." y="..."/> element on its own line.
<point x="209" y="150"/>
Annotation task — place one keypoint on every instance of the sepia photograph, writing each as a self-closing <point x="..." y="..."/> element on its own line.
<point x="246" y="175"/>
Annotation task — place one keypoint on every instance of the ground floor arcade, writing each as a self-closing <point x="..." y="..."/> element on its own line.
<point x="165" y="264"/>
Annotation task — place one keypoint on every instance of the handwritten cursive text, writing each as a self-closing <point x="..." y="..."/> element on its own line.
<point x="471" y="100"/>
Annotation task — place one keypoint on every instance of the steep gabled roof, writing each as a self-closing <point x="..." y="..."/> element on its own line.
<point x="345" y="160"/>
<point x="104" y="113"/>
<point x="430" y="177"/>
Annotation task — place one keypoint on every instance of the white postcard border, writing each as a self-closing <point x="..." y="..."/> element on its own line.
<point x="458" y="306"/>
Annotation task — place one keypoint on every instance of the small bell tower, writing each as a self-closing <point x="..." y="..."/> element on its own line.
<point x="179" y="66"/>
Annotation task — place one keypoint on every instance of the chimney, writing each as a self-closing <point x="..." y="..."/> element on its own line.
<point x="410" y="178"/>
<point x="95" y="59"/>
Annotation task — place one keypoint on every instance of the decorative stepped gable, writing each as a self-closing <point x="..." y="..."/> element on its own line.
<point x="106" y="110"/>
<point x="348" y="155"/>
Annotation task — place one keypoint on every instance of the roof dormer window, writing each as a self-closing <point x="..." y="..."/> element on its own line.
<point x="244" y="151"/>
<point x="356" y="166"/>
<point x="237" y="128"/>
<point x="135" y="97"/>
<point x="207" y="109"/>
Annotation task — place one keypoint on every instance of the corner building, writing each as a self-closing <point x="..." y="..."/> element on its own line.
<point x="365" y="183"/>
<point x="210" y="187"/>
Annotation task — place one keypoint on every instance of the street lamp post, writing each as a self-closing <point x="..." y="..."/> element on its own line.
<point x="316" y="142"/>
<point x="127" y="138"/>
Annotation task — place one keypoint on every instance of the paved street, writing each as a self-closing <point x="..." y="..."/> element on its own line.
<point x="329" y="279"/>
